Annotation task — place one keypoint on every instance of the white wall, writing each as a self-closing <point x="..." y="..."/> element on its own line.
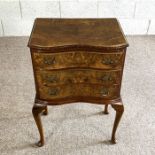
<point x="136" y="16"/>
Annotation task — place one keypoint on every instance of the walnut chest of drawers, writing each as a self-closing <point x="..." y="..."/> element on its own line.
<point x="77" y="60"/>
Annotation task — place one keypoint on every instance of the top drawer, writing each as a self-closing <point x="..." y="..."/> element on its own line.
<point x="78" y="59"/>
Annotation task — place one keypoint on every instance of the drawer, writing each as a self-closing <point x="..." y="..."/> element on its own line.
<point x="78" y="90"/>
<point x="74" y="76"/>
<point x="78" y="59"/>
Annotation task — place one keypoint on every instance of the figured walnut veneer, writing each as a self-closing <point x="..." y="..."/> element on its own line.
<point x="77" y="60"/>
<point x="77" y="76"/>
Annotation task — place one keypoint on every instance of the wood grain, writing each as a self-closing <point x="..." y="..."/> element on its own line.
<point x="63" y="33"/>
<point x="77" y="60"/>
<point x="77" y="90"/>
<point x="77" y="76"/>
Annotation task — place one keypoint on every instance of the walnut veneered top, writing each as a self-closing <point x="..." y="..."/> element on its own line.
<point x="50" y="33"/>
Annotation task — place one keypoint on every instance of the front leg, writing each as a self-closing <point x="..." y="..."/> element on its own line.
<point x="36" y="111"/>
<point x="119" y="108"/>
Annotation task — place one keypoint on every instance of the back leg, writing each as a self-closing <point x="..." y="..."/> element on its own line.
<point x="106" y="109"/>
<point x="45" y="112"/>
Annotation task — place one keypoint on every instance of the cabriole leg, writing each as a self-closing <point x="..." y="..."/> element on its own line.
<point x="119" y="108"/>
<point x="36" y="111"/>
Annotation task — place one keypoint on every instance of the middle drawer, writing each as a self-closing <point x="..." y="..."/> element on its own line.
<point x="68" y="76"/>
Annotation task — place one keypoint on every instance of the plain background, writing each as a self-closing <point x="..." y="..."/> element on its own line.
<point x="137" y="17"/>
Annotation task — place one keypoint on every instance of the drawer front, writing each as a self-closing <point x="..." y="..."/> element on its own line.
<point x="78" y="59"/>
<point x="77" y="90"/>
<point x="73" y="76"/>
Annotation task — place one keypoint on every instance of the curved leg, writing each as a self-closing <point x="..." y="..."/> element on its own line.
<point x="106" y="109"/>
<point x="119" y="108"/>
<point x="36" y="111"/>
<point x="45" y="112"/>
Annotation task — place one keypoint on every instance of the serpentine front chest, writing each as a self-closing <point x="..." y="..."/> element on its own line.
<point x="77" y="60"/>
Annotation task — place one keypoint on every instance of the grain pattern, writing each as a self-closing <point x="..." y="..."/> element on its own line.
<point x="77" y="60"/>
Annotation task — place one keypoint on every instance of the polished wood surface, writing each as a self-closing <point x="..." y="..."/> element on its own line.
<point x="79" y="90"/>
<point x="77" y="60"/>
<point x="105" y="33"/>
<point x="78" y="76"/>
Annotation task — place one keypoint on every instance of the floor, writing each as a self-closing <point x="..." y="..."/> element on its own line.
<point x="77" y="129"/>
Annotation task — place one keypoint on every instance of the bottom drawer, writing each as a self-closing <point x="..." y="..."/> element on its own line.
<point x="79" y="90"/>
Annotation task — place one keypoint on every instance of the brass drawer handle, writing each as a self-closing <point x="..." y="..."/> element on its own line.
<point x="49" y="60"/>
<point x="51" y="79"/>
<point x="108" y="61"/>
<point x="106" y="78"/>
<point x="104" y="92"/>
<point x="53" y="92"/>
